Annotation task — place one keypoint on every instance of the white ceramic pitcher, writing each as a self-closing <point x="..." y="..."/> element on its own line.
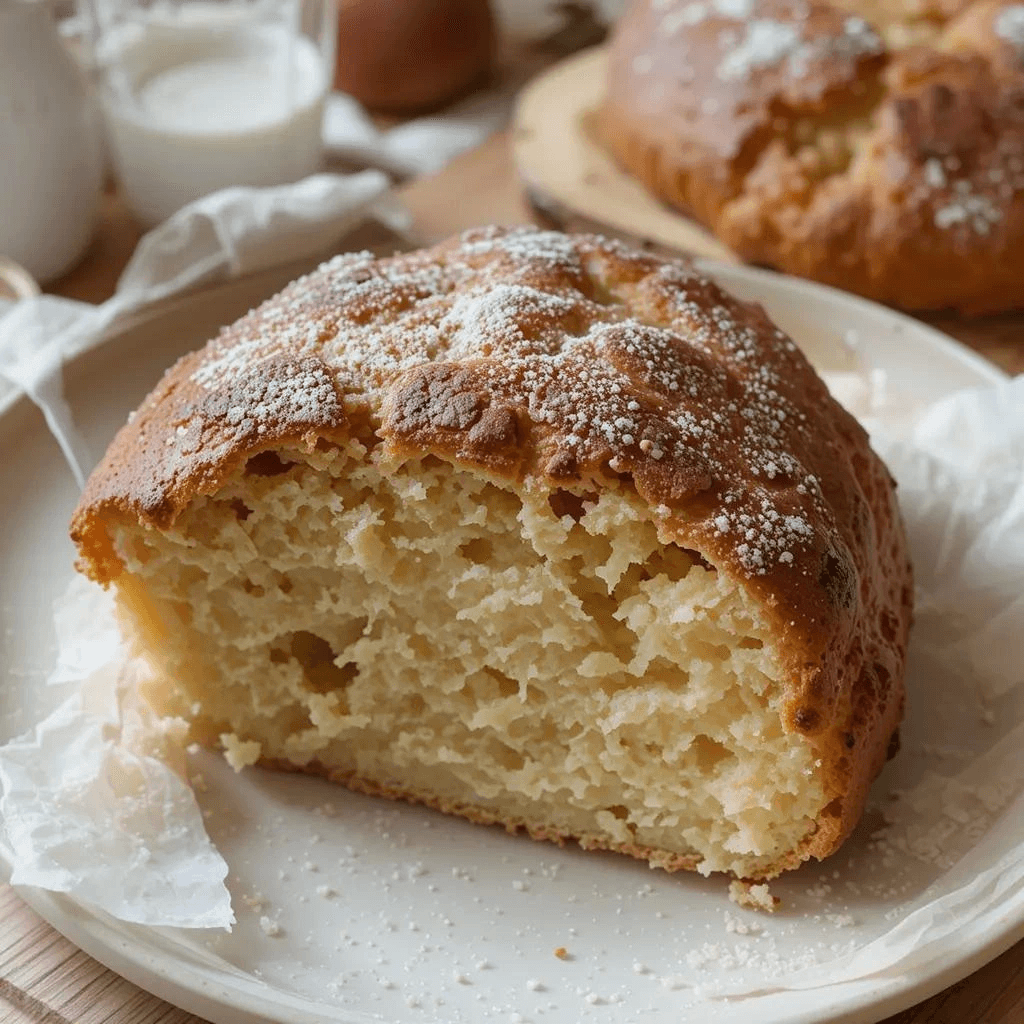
<point x="51" y="164"/>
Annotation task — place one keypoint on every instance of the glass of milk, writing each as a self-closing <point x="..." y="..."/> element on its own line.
<point x="199" y="95"/>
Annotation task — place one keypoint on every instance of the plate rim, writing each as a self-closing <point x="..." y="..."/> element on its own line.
<point x="987" y="371"/>
<point x="203" y="990"/>
<point x="86" y="928"/>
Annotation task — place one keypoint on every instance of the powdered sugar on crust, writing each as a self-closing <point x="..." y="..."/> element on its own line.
<point x="974" y="200"/>
<point x="681" y="15"/>
<point x="537" y="353"/>
<point x="1009" y="25"/>
<point x="784" y="40"/>
<point x="256" y="398"/>
<point x="769" y="43"/>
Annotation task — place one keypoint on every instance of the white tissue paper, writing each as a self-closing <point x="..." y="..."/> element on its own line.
<point x="227" y="234"/>
<point x="939" y="848"/>
<point x="94" y="800"/>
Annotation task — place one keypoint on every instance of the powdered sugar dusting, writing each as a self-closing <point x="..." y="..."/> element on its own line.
<point x="967" y="207"/>
<point x="974" y="200"/>
<point x="662" y="378"/>
<point x="256" y="401"/>
<point x="765" y="43"/>
<point x="500" y="316"/>
<point x="695" y="13"/>
<point x="738" y="9"/>
<point x="749" y="43"/>
<point x="770" y="43"/>
<point x="1009" y="25"/>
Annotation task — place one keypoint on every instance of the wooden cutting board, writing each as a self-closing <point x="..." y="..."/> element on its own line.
<point x="567" y="174"/>
<point x="44" y="979"/>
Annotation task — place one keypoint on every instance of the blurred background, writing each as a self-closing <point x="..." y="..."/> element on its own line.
<point x="885" y="141"/>
<point x="165" y="101"/>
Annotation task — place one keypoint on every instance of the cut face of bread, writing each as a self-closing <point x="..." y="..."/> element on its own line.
<point x="541" y="660"/>
<point x="666" y="620"/>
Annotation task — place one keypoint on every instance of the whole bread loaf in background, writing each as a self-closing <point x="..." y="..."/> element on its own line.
<point x="530" y="528"/>
<point x="876" y="146"/>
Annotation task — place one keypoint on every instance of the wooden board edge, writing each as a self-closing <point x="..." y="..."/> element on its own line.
<point x="572" y="182"/>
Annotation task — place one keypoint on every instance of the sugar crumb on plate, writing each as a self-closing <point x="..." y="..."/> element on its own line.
<point x="752" y="897"/>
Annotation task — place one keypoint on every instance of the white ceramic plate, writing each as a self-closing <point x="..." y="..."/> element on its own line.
<point x="394" y="913"/>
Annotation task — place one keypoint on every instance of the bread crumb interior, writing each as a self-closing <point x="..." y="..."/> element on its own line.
<point x="536" y="659"/>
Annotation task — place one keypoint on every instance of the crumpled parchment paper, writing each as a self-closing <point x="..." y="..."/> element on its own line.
<point x="95" y="802"/>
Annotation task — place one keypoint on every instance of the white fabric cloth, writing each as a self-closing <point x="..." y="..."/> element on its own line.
<point x="228" y="234"/>
<point x="420" y="146"/>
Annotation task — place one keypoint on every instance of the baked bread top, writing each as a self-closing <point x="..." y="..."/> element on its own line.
<point x="568" y="363"/>
<point x="877" y="145"/>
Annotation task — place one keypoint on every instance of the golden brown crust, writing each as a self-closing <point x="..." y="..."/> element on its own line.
<point x="570" y="362"/>
<point x="885" y="158"/>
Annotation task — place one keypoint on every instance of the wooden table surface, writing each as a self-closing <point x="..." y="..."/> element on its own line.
<point x="44" y="979"/>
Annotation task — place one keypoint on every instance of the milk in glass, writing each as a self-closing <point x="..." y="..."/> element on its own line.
<point x="206" y="97"/>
